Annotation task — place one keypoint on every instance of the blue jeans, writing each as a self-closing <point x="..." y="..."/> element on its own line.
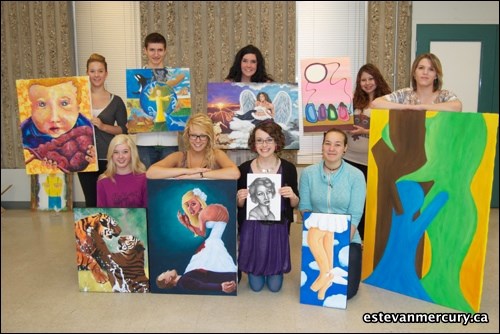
<point x="152" y="154"/>
<point x="274" y="282"/>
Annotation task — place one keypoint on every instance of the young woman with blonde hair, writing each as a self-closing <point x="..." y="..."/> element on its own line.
<point x="200" y="160"/>
<point x="123" y="184"/>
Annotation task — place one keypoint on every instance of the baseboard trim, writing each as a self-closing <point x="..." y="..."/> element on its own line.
<point x="27" y="205"/>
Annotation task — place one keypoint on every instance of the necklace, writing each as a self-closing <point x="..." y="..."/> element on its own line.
<point x="268" y="170"/>
<point x="331" y="169"/>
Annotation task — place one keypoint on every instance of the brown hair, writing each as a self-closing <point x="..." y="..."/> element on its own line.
<point x="155" y="37"/>
<point x="361" y="99"/>
<point x="273" y="130"/>
<point x="95" y="57"/>
<point x="260" y="75"/>
<point x="436" y="64"/>
<point x="338" y="131"/>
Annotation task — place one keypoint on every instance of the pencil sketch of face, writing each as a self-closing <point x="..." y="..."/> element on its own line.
<point x="264" y="195"/>
<point x="262" y="191"/>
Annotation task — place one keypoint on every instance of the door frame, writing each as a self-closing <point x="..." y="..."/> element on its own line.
<point x="487" y="35"/>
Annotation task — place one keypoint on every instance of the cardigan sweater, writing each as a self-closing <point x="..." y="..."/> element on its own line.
<point x="341" y="192"/>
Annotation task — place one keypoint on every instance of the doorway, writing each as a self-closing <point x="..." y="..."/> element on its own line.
<point x="469" y="55"/>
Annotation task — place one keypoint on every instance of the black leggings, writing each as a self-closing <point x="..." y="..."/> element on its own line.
<point x="354" y="275"/>
<point x="88" y="181"/>
<point x="361" y="225"/>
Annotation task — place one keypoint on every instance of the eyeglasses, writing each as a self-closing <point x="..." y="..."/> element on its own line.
<point x="268" y="141"/>
<point x="200" y="137"/>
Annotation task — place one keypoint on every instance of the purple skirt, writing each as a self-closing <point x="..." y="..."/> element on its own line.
<point x="264" y="249"/>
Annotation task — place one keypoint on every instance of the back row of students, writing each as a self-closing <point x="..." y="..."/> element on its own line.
<point x="264" y="250"/>
<point x="109" y="114"/>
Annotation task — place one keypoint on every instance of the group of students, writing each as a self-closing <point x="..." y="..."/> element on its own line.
<point x="337" y="184"/>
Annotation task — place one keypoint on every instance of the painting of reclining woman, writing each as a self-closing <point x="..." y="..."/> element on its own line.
<point x="235" y="108"/>
<point x="192" y="229"/>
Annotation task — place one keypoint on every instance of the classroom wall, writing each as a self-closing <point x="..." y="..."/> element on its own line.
<point x="428" y="12"/>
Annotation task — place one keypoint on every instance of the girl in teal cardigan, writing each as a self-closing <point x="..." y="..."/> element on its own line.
<point x="335" y="186"/>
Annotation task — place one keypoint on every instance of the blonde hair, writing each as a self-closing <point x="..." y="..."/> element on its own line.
<point x="50" y="82"/>
<point x="203" y="121"/>
<point x="137" y="166"/>
<point x="95" y="57"/>
<point x="196" y="194"/>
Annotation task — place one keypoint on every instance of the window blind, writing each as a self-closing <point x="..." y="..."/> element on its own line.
<point x="111" y="29"/>
<point x="328" y="29"/>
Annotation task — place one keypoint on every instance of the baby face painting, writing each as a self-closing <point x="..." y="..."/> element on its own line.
<point x="54" y="108"/>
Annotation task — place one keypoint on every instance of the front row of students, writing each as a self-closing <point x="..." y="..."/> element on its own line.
<point x="264" y="245"/>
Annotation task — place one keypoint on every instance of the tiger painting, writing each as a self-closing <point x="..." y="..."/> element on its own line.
<point x="129" y="270"/>
<point x="86" y="229"/>
<point x="125" y="268"/>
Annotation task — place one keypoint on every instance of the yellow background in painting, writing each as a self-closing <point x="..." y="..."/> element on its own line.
<point x="472" y="271"/>
<point x="85" y="108"/>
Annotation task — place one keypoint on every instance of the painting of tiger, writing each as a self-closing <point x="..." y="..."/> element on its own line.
<point x="86" y="229"/>
<point x="129" y="271"/>
<point x="125" y="268"/>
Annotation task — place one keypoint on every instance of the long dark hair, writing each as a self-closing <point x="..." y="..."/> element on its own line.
<point x="361" y="99"/>
<point x="260" y="74"/>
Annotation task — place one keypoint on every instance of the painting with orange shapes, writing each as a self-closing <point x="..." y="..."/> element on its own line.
<point x="56" y="129"/>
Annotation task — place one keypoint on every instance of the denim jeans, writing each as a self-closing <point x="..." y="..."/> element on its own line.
<point x="274" y="282"/>
<point x="151" y="154"/>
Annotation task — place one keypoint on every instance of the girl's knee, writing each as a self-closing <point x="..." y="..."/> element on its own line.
<point x="274" y="282"/>
<point x="256" y="282"/>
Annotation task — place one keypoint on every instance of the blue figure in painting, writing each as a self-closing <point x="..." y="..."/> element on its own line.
<point x="401" y="249"/>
